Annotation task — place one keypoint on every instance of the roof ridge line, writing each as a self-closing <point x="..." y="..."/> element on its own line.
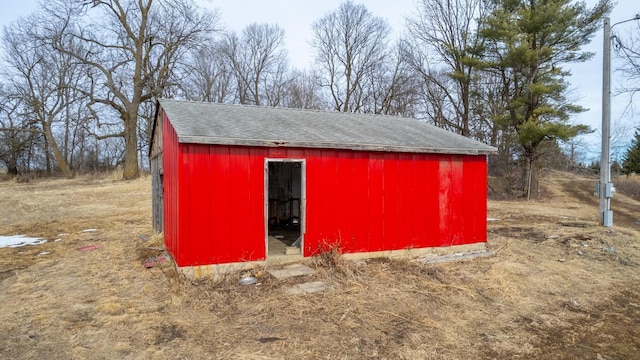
<point x="332" y="111"/>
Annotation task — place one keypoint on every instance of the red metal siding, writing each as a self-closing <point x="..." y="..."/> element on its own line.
<point x="475" y="187"/>
<point x="255" y="211"/>
<point x="405" y="193"/>
<point x="457" y="201"/>
<point x="331" y="203"/>
<point x="365" y="201"/>
<point x="376" y="201"/>
<point x="221" y="203"/>
<point x="346" y="212"/>
<point x="421" y="187"/>
<point x="444" y="208"/>
<point x="390" y="217"/>
<point x="360" y="215"/>
<point x="170" y="186"/>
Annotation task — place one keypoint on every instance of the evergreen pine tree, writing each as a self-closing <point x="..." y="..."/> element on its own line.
<point x="631" y="160"/>
<point x="527" y="43"/>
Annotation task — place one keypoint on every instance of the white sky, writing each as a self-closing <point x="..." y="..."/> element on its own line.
<point x="296" y="17"/>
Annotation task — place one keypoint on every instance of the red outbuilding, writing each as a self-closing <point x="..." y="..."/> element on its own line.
<point x="235" y="183"/>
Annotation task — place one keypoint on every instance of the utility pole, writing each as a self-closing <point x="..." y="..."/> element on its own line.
<point x="606" y="215"/>
<point x="605" y="188"/>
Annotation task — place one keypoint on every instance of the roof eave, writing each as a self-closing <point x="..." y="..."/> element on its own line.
<point x="486" y="150"/>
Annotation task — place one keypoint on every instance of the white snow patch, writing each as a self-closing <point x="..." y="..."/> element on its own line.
<point x="88" y="230"/>
<point x="493" y="219"/>
<point x="44" y="253"/>
<point x="63" y="234"/>
<point x="19" y="240"/>
<point x="57" y="240"/>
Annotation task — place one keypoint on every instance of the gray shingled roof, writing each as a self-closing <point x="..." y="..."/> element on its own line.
<point x="223" y="124"/>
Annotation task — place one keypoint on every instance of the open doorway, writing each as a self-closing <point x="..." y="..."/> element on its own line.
<point x="284" y="205"/>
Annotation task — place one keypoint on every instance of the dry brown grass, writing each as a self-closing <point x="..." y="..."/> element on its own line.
<point x="536" y="298"/>
<point x="628" y="185"/>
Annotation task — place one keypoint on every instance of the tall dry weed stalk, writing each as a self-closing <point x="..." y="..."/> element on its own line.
<point x="330" y="257"/>
<point x="628" y="185"/>
<point x="117" y="173"/>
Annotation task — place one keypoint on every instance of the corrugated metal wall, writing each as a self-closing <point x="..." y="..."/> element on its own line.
<point x="170" y="161"/>
<point x="366" y="201"/>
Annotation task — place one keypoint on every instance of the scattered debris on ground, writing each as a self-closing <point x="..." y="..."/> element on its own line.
<point x="434" y="258"/>
<point x="535" y="298"/>
<point x="155" y="260"/>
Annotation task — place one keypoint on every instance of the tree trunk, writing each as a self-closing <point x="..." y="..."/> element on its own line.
<point x="47" y="157"/>
<point x="530" y="173"/>
<point x="12" y="166"/>
<point x="465" y="107"/>
<point x="131" y="170"/>
<point x="57" y="153"/>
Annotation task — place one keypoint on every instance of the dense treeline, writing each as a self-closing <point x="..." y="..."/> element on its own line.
<point x="79" y="77"/>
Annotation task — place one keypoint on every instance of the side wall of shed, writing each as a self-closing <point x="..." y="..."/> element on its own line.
<point x="171" y="166"/>
<point x="221" y="204"/>
<point x="365" y="201"/>
<point x="157" y="172"/>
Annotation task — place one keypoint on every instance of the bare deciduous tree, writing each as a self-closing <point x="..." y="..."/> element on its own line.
<point x="45" y="82"/>
<point x="447" y="54"/>
<point x="350" y="45"/>
<point x="209" y="76"/>
<point x="392" y="85"/>
<point x="17" y="135"/>
<point x="259" y="62"/>
<point x="303" y="92"/>
<point x="130" y="48"/>
<point x="629" y="50"/>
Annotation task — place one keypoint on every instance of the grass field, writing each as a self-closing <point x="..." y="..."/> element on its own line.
<point x="559" y="287"/>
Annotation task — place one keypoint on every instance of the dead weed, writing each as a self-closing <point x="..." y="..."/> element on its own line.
<point x="558" y="287"/>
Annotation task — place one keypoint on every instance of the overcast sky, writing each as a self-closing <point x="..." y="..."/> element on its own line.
<point x="296" y="17"/>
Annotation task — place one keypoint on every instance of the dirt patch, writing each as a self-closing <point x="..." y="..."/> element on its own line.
<point x="528" y="234"/>
<point x="168" y="332"/>
<point x="7" y="274"/>
<point x="602" y="327"/>
<point x="559" y="287"/>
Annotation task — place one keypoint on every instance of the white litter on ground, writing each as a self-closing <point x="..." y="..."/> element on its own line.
<point x="19" y="240"/>
<point x="88" y="230"/>
<point x="493" y="219"/>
